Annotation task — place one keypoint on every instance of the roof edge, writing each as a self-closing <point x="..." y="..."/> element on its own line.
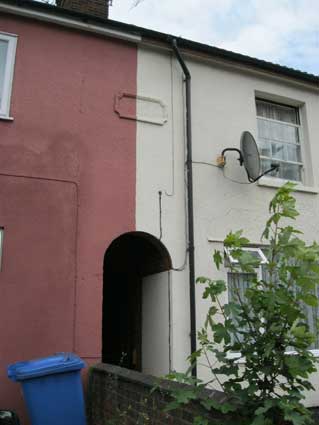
<point x="134" y="33"/>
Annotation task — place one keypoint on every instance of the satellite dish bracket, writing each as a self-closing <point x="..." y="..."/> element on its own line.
<point x="274" y="167"/>
<point x="248" y="151"/>
<point x="240" y="159"/>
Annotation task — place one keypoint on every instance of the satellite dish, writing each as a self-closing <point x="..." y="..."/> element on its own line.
<point x="249" y="157"/>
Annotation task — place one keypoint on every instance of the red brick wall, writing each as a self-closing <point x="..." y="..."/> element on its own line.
<point x="91" y="7"/>
<point x="121" y="396"/>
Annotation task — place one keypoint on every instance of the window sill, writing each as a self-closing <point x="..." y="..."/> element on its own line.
<point x="275" y="183"/>
<point x="242" y="360"/>
<point x="5" y="118"/>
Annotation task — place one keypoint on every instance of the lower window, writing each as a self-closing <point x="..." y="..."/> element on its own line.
<point x="238" y="282"/>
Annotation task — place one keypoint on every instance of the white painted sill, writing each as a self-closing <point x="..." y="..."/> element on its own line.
<point x="6" y="118"/>
<point x="242" y="360"/>
<point x="275" y="183"/>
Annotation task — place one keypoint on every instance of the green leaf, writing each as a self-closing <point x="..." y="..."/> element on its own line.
<point x="181" y="397"/>
<point x="295" y="418"/>
<point x="227" y="407"/>
<point x="235" y="240"/>
<point x="218" y="259"/>
<point x="264" y="409"/>
<point x="220" y="333"/>
<point x="203" y="280"/>
<point x="173" y="405"/>
<point x="200" y="421"/>
<point x="209" y="404"/>
<point x="260" y="420"/>
<point x="309" y="299"/>
<point x="232" y="309"/>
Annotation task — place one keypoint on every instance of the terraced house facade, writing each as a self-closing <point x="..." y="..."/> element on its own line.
<point x="111" y="197"/>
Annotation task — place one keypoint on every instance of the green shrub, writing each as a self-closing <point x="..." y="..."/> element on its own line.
<point x="266" y="324"/>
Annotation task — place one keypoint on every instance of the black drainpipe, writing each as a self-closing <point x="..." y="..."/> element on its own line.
<point x="190" y="204"/>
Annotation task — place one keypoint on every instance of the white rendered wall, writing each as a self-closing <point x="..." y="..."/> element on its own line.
<point x="159" y="147"/>
<point x="223" y="105"/>
<point x="155" y="324"/>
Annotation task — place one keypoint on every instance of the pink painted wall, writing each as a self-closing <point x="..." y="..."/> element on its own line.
<point x="67" y="189"/>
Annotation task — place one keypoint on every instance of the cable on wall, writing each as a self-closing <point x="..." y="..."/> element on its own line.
<point x="172" y="192"/>
<point x="235" y="181"/>
<point x="160" y="215"/>
<point x="205" y="163"/>
<point x="226" y="177"/>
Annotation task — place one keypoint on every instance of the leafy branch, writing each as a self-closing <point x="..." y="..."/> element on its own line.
<point x="265" y="324"/>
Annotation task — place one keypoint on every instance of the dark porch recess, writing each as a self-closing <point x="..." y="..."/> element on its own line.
<point x="128" y="259"/>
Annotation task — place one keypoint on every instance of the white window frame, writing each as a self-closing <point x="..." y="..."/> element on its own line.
<point x="8" y="74"/>
<point x="258" y="270"/>
<point x="300" y="138"/>
<point x="234" y="261"/>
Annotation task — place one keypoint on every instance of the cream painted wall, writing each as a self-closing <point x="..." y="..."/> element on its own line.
<point x="160" y="155"/>
<point x="223" y="105"/>
<point x="155" y="324"/>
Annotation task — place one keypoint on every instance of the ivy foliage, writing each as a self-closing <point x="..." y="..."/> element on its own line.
<point x="267" y="327"/>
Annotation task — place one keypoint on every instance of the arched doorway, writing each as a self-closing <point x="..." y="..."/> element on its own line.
<point x="135" y="302"/>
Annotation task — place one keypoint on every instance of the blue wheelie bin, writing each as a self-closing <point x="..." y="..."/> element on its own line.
<point x="52" y="389"/>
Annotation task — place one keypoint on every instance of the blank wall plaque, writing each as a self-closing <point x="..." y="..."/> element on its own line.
<point x="140" y="108"/>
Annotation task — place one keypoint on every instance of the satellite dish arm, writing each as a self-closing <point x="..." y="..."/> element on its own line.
<point x="274" y="167"/>
<point x="240" y="159"/>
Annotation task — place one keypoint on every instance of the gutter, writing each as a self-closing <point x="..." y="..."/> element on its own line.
<point x="190" y="202"/>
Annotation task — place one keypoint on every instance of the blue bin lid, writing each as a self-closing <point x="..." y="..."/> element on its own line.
<point x="58" y="363"/>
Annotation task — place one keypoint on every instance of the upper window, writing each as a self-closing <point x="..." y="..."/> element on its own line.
<point x="7" y="55"/>
<point x="279" y="139"/>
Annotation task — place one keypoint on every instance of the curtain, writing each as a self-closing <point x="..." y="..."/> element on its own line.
<point x="277" y="112"/>
<point x="237" y="285"/>
<point x="279" y="141"/>
<point x="239" y="282"/>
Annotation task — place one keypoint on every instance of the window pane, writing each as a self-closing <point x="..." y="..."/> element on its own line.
<point x="278" y="151"/>
<point x="239" y="282"/>
<point x="290" y="134"/>
<point x="293" y="153"/>
<point x="264" y="147"/>
<point x="277" y="112"/>
<point x="279" y="142"/>
<point x="3" y="57"/>
<point x="237" y="285"/>
<point x="277" y="131"/>
<point x="263" y="129"/>
<point x="286" y="170"/>
<point x="290" y="171"/>
<point x="266" y="165"/>
<point x="312" y="315"/>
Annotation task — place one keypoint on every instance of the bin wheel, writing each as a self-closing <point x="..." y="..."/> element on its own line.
<point x="8" y="417"/>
